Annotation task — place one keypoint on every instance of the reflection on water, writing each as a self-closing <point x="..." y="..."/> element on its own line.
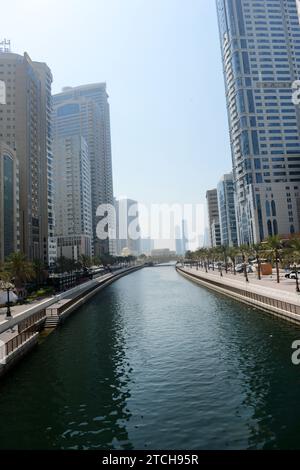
<point x="155" y="361"/>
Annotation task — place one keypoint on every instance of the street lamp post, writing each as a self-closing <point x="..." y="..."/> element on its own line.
<point x="8" y="311"/>
<point x="7" y="286"/>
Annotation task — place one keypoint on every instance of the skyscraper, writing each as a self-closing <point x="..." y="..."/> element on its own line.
<point x="25" y="128"/>
<point x="184" y="236"/>
<point x="226" y="206"/>
<point x="72" y="201"/>
<point x="260" y="43"/>
<point x="128" y="229"/>
<point x="147" y="246"/>
<point x="178" y="241"/>
<point x="213" y="218"/>
<point x="84" y="111"/>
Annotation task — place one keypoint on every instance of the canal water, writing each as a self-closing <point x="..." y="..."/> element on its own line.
<point x="156" y="362"/>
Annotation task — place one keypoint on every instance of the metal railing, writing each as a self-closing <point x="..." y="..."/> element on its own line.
<point x="17" y="341"/>
<point x="2" y="351"/>
<point x="31" y="321"/>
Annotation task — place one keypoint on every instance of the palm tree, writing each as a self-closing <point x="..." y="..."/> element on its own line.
<point x="20" y="270"/>
<point x="84" y="261"/>
<point x="64" y="265"/>
<point x="219" y="257"/>
<point x="257" y="250"/>
<point x="96" y="261"/>
<point x="274" y="246"/>
<point x="293" y="254"/>
<point x="232" y="253"/>
<point x="212" y="256"/>
<point x="224" y="253"/>
<point x="202" y="255"/>
<point x="39" y="271"/>
<point x="244" y="250"/>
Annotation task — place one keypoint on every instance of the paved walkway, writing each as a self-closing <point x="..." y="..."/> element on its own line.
<point x="17" y="310"/>
<point x="285" y="290"/>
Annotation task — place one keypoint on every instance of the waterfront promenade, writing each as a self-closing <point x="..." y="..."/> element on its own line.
<point x="18" y="312"/>
<point x="285" y="285"/>
<point x="20" y="332"/>
<point x="280" y="299"/>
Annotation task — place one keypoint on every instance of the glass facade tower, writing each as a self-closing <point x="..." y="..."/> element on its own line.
<point x="260" y="44"/>
<point x="9" y="202"/>
<point x="84" y="111"/>
<point x="226" y="204"/>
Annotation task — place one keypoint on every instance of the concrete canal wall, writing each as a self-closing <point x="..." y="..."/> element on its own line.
<point x="24" y="327"/>
<point x="278" y="302"/>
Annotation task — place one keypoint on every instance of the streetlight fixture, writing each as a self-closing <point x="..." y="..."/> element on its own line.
<point x="7" y="286"/>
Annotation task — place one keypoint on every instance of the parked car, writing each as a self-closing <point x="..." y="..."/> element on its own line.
<point x="240" y="268"/>
<point x="292" y="275"/>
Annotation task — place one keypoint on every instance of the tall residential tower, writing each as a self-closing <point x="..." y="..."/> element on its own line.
<point x="84" y="111"/>
<point x="213" y="218"/>
<point x="226" y="205"/>
<point x="72" y="201"/>
<point x="25" y="127"/>
<point x="260" y="43"/>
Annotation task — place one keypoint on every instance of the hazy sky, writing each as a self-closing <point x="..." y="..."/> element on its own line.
<point x="161" y="61"/>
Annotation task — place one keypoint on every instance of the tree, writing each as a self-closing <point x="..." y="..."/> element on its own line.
<point x="244" y="250"/>
<point x="96" y="261"/>
<point x="212" y="257"/>
<point x="19" y="269"/>
<point x="64" y="265"/>
<point x="274" y="246"/>
<point x="224" y="254"/>
<point x="39" y="271"/>
<point x="292" y="253"/>
<point x="232" y="253"/>
<point x="219" y="257"/>
<point x="257" y="250"/>
<point x="84" y="261"/>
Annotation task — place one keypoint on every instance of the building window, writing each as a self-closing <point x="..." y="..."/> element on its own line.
<point x="273" y="205"/>
<point x="268" y="211"/>
<point x="68" y="109"/>
<point x="269" y="223"/>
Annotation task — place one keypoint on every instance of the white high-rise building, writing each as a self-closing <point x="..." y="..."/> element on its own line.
<point x="226" y="206"/>
<point x="260" y="43"/>
<point x="72" y="201"/>
<point x="84" y="111"/>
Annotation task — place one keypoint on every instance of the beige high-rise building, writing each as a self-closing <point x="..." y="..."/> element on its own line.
<point x="213" y="218"/>
<point x="25" y="126"/>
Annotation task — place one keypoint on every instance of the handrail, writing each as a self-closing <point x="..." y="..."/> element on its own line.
<point x="17" y="341"/>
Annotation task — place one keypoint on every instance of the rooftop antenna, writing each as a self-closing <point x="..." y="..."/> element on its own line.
<point x="5" y="46"/>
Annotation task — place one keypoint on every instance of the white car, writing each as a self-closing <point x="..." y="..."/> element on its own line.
<point x="292" y="275"/>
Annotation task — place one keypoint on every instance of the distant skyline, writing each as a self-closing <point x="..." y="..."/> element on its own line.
<point x="161" y="62"/>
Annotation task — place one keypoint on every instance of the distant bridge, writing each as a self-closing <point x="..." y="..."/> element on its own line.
<point x="155" y="263"/>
